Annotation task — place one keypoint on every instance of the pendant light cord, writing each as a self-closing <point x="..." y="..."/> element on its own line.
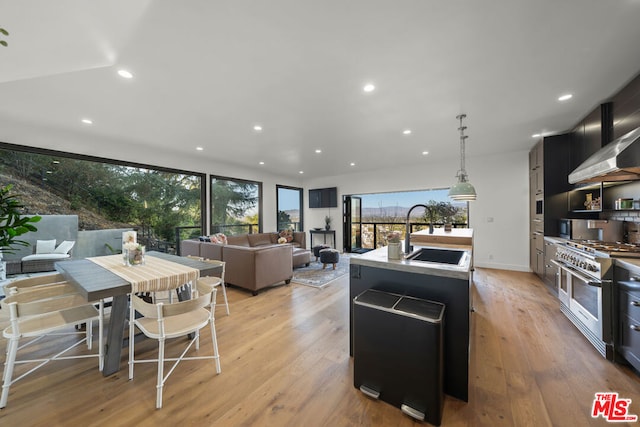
<point x="462" y="173"/>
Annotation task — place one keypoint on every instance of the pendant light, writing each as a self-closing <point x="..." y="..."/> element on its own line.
<point x="462" y="190"/>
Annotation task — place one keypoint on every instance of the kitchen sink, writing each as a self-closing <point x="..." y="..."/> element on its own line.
<point x="441" y="256"/>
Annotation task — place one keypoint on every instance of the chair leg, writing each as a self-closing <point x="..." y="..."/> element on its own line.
<point x="12" y="349"/>
<point x="100" y="335"/>
<point x="224" y="293"/>
<point x="214" y="342"/>
<point x="160" y="383"/>
<point x="131" y="339"/>
<point x="88" y="333"/>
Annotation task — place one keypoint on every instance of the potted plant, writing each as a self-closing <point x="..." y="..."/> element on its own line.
<point x="12" y="225"/>
<point x="394" y="250"/>
<point x="438" y="210"/>
<point x="327" y="222"/>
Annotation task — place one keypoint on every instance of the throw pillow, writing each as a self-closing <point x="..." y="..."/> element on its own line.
<point x="45" y="246"/>
<point x="64" y="247"/>
<point x="221" y="238"/>
<point x="287" y="234"/>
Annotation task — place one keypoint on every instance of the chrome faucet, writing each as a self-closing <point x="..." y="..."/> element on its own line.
<point x="407" y="234"/>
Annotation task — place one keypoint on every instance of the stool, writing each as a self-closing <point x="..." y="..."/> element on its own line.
<point x="317" y="249"/>
<point x="329" y="256"/>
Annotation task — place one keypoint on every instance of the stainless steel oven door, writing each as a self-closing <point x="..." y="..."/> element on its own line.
<point x="562" y="282"/>
<point x="585" y="301"/>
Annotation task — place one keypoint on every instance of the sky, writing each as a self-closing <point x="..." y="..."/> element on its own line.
<point x="289" y="199"/>
<point x="404" y="198"/>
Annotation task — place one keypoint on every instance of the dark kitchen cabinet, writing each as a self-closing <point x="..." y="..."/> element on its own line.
<point x="549" y="167"/>
<point x="550" y="270"/>
<point x="627" y="320"/>
<point x="591" y="134"/>
<point x="626" y="109"/>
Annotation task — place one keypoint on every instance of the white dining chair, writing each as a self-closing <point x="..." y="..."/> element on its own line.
<point x="44" y="313"/>
<point x="37" y="283"/>
<point x="162" y="321"/>
<point x="213" y="280"/>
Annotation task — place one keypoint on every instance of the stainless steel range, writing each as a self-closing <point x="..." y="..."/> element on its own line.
<point x="585" y="288"/>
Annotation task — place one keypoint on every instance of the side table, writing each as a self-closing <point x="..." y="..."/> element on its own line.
<point x="324" y="233"/>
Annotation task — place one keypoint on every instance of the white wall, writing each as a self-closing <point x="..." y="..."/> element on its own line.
<point x="499" y="217"/>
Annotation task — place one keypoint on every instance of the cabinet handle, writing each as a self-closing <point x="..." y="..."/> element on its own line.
<point x="635" y="328"/>
<point x="635" y="303"/>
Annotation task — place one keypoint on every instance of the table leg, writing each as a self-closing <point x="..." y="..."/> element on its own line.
<point x="115" y="334"/>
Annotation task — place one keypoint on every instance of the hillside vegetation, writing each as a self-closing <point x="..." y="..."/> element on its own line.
<point x="38" y="201"/>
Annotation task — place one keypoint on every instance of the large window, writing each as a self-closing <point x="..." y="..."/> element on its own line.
<point x="371" y="217"/>
<point x="289" y="208"/>
<point x="162" y="204"/>
<point x="236" y="206"/>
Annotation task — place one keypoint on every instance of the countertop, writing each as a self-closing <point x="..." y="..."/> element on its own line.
<point x="456" y="238"/>
<point x="629" y="263"/>
<point x="378" y="258"/>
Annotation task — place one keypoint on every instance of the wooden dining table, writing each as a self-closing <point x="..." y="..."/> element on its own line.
<point x="96" y="282"/>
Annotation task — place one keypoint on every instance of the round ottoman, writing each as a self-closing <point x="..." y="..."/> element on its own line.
<point x="317" y="249"/>
<point x="329" y="256"/>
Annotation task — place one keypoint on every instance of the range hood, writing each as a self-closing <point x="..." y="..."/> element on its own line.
<point x="617" y="161"/>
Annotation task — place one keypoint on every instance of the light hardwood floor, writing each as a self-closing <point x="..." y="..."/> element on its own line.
<point x="285" y="362"/>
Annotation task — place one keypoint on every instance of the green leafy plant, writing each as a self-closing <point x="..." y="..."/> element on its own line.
<point x="12" y="223"/>
<point x="5" y="33"/>
<point x="439" y="211"/>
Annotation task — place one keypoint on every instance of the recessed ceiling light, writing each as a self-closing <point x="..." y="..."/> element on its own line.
<point x="406" y="132"/>
<point x="318" y="151"/>
<point x="87" y="121"/>
<point x="424" y="153"/>
<point x="536" y="135"/>
<point x="125" y="74"/>
<point x="352" y="164"/>
<point x="261" y="163"/>
<point x="565" y="97"/>
<point x="369" y="87"/>
<point x="199" y="148"/>
<point x="257" y="128"/>
<point x="300" y="172"/>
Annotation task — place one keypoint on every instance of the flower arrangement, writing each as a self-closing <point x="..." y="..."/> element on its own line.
<point x="327" y="222"/>
<point x="393" y="237"/>
<point x="133" y="253"/>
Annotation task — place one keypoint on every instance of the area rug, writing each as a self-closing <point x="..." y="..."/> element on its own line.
<point x="316" y="277"/>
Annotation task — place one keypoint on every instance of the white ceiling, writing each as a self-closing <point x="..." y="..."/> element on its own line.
<point x="206" y="71"/>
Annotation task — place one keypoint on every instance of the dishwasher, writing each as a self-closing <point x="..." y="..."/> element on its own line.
<point x="397" y="352"/>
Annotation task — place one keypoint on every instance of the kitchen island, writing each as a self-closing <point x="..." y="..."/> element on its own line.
<point x="449" y="284"/>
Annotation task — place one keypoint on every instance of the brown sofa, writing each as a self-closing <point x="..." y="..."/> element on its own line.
<point x="253" y="261"/>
